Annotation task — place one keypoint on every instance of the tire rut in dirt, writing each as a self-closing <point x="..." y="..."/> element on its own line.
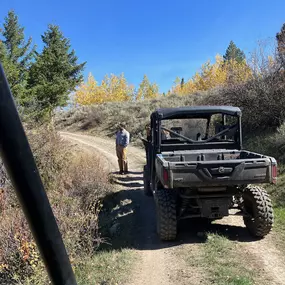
<point x="165" y="201"/>
<point x="258" y="204"/>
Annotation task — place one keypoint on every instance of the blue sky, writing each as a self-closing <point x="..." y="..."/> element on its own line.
<point x="163" y="39"/>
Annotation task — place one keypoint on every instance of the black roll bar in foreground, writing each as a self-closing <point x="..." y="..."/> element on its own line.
<point x="20" y="165"/>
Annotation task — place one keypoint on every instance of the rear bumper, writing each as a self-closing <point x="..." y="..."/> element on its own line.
<point x="209" y="174"/>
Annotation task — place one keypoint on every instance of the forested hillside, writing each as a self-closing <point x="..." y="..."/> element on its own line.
<point x="255" y="84"/>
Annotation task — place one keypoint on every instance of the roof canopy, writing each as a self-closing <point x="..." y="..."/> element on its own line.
<point x="195" y="112"/>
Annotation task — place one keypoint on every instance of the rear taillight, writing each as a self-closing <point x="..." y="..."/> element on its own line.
<point x="165" y="175"/>
<point x="165" y="178"/>
<point x="274" y="173"/>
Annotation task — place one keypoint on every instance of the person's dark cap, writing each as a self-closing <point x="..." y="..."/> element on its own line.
<point x="122" y="125"/>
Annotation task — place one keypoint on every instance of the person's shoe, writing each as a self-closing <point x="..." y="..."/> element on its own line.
<point x="121" y="172"/>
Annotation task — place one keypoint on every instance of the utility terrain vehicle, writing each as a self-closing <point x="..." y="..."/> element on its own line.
<point x="196" y="167"/>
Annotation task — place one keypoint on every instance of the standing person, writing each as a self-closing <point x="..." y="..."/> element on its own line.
<point x="148" y="132"/>
<point x="122" y="142"/>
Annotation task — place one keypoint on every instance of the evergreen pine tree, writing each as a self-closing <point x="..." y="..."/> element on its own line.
<point x="182" y="83"/>
<point x="234" y="53"/>
<point x="15" y="54"/>
<point x="55" y="74"/>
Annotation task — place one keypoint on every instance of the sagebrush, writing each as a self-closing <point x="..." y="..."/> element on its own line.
<point x="75" y="184"/>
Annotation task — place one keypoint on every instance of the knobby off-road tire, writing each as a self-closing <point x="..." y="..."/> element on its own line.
<point x="257" y="204"/>
<point x="166" y="217"/>
<point x="146" y="182"/>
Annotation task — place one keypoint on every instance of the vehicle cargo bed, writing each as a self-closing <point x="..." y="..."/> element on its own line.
<point x="214" y="168"/>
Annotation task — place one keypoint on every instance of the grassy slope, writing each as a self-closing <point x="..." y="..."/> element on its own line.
<point x="106" y="267"/>
<point x="103" y="119"/>
<point x="77" y="190"/>
<point x="224" y="266"/>
<point x="278" y="196"/>
<point x="220" y="261"/>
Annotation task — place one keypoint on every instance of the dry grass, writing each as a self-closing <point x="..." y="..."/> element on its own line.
<point x="75" y="185"/>
<point x="109" y="267"/>
<point x="221" y="261"/>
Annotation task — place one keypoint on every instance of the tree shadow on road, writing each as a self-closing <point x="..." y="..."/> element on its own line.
<point x="130" y="178"/>
<point x="128" y="220"/>
<point x="136" y="172"/>
<point x="128" y="181"/>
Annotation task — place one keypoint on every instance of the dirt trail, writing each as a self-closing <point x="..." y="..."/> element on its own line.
<point x="159" y="263"/>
